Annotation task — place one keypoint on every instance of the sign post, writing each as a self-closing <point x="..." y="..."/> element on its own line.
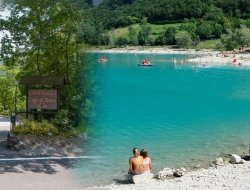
<point x="13" y="119"/>
<point x="38" y="96"/>
<point x="41" y="99"/>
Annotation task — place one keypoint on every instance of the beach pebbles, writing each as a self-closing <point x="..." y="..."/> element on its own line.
<point x="235" y="159"/>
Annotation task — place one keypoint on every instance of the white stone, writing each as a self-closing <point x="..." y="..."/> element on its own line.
<point x="183" y="169"/>
<point x="218" y="161"/>
<point x="179" y="172"/>
<point x="142" y="178"/>
<point x="242" y="161"/>
<point x="166" y="172"/>
<point x="235" y="159"/>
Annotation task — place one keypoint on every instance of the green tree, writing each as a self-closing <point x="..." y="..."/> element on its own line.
<point x="7" y="89"/>
<point x="243" y="37"/>
<point x="145" y="34"/>
<point x="229" y="40"/>
<point x="89" y="33"/>
<point x="43" y="41"/>
<point x="217" y="30"/>
<point x="111" y="38"/>
<point x="204" y="30"/>
<point x="183" y="39"/>
<point x="43" y="33"/>
<point x="169" y="36"/>
<point x="133" y="39"/>
<point x="120" y="41"/>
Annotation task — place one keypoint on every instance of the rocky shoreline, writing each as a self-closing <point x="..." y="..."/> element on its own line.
<point x="223" y="174"/>
<point x="168" y="173"/>
<point x="44" y="145"/>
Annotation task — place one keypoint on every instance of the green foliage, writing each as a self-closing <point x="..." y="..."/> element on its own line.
<point x="183" y="39"/>
<point x="44" y="40"/>
<point x="213" y="13"/>
<point x="238" y="38"/>
<point x="39" y="30"/>
<point x="229" y="40"/>
<point x="145" y="34"/>
<point x="218" y="30"/>
<point x="169" y="36"/>
<point x="83" y="103"/>
<point x="120" y="41"/>
<point x="36" y="128"/>
<point x="209" y="44"/>
<point x="111" y="38"/>
<point x="43" y="128"/>
<point x="243" y="36"/>
<point x="201" y="19"/>
<point x="133" y="39"/>
<point x="62" y="121"/>
<point x="7" y="90"/>
<point x="119" y="14"/>
<point x="204" y="30"/>
<point x="89" y="33"/>
<point x="151" y="39"/>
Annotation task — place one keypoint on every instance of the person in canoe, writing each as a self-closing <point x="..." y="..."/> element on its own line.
<point x="146" y="61"/>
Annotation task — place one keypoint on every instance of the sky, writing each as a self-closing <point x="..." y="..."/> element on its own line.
<point x="3" y="14"/>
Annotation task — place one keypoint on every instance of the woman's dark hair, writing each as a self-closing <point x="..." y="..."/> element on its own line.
<point x="144" y="153"/>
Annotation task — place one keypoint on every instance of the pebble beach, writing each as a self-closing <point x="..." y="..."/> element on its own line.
<point x="228" y="176"/>
<point x="202" y="57"/>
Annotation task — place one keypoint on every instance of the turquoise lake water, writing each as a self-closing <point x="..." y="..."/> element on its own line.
<point x="183" y="115"/>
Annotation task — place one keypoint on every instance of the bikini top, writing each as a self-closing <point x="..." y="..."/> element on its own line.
<point x="146" y="161"/>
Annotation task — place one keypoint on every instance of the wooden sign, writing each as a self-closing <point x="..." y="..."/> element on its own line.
<point x="42" y="99"/>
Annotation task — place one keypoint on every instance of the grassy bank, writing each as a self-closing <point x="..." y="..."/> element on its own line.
<point x="156" y="29"/>
<point x="208" y="44"/>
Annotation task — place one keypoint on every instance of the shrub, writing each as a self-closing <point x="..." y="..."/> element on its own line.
<point x="62" y="121"/>
<point x="121" y="41"/>
<point x="43" y="129"/>
<point x="183" y="39"/>
<point x="35" y="128"/>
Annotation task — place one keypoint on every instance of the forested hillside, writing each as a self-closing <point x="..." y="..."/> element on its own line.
<point x="196" y="19"/>
<point x="115" y="13"/>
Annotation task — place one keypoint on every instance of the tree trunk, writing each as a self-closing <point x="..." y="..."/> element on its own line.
<point x="37" y="61"/>
<point x="67" y="59"/>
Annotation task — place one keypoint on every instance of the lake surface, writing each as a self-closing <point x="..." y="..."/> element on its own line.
<point x="183" y="115"/>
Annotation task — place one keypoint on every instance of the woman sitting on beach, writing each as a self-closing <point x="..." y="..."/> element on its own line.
<point x="147" y="164"/>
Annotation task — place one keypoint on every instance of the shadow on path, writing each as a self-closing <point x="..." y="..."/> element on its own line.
<point x="3" y="134"/>
<point x="36" y="166"/>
